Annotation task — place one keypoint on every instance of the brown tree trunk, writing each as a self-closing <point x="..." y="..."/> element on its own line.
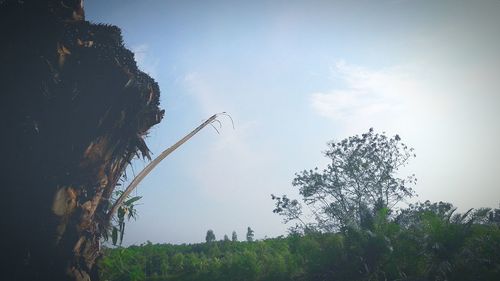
<point x="74" y="112"/>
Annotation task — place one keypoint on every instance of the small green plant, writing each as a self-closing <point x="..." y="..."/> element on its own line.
<point x="127" y="211"/>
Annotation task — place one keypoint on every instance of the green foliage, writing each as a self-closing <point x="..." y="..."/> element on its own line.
<point x="123" y="264"/>
<point x="250" y="234"/>
<point x="126" y="211"/>
<point x="360" y="180"/>
<point x="210" y="237"/>
<point x="434" y="247"/>
<point x="357" y="234"/>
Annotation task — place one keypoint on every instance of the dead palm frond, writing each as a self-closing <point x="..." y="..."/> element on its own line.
<point x="135" y="182"/>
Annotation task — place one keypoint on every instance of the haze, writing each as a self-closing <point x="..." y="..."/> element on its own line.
<point x="294" y="75"/>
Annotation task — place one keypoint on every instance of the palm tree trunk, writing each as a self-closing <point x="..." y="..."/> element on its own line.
<point x="74" y="111"/>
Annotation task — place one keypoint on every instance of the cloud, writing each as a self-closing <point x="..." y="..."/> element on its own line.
<point x="366" y="97"/>
<point x="231" y="146"/>
<point x="366" y="93"/>
<point x="234" y="179"/>
<point x="144" y="60"/>
<point x="205" y="93"/>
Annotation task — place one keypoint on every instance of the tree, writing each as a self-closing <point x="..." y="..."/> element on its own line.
<point x="76" y="108"/>
<point x="361" y="179"/>
<point x="446" y="212"/>
<point x="250" y="234"/>
<point x="412" y="215"/>
<point x="226" y="238"/>
<point x="234" y="236"/>
<point x="210" y="237"/>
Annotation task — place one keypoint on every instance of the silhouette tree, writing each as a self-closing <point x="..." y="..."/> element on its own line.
<point x="210" y="237"/>
<point x="250" y="234"/>
<point x="361" y="179"/>
<point x="75" y="110"/>
<point x="234" y="236"/>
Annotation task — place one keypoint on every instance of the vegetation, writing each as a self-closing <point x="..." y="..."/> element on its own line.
<point x="250" y="234"/>
<point x="210" y="237"/>
<point x="360" y="180"/>
<point x="77" y="109"/>
<point x="426" y="241"/>
<point x="357" y="233"/>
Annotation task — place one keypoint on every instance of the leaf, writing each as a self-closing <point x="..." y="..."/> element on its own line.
<point x="132" y="200"/>
<point x="122" y="231"/>
<point x="153" y="163"/>
<point x="114" y="236"/>
<point x="121" y="214"/>
<point x="131" y="214"/>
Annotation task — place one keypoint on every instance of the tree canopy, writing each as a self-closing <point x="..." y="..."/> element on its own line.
<point x="432" y="247"/>
<point x="77" y="109"/>
<point x="361" y="179"/>
<point x="250" y="234"/>
<point x="210" y="237"/>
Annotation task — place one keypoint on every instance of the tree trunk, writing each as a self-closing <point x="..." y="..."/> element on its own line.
<point x="74" y="112"/>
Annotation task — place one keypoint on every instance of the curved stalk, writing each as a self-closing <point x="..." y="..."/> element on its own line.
<point x="135" y="182"/>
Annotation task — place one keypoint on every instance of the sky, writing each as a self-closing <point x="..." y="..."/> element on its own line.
<point x="294" y="75"/>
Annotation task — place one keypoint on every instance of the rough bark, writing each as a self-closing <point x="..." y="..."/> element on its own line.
<point x="74" y="111"/>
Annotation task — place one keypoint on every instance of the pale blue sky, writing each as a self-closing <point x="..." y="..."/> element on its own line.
<point x="296" y="74"/>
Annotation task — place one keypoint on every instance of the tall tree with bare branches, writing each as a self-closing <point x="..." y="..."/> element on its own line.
<point x="362" y="178"/>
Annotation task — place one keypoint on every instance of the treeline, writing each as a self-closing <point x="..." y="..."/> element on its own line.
<point x="424" y="242"/>
<point x="356" y="232"/>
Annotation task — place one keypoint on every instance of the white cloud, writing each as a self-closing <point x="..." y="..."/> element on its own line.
<point x="204" y="93"/>
<point x="144" y="60"/>
<point x="365" y="97"/>
<point x="366" y="93"/>
<point x="228" y="148"/>
<point x="233" y="177"/>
